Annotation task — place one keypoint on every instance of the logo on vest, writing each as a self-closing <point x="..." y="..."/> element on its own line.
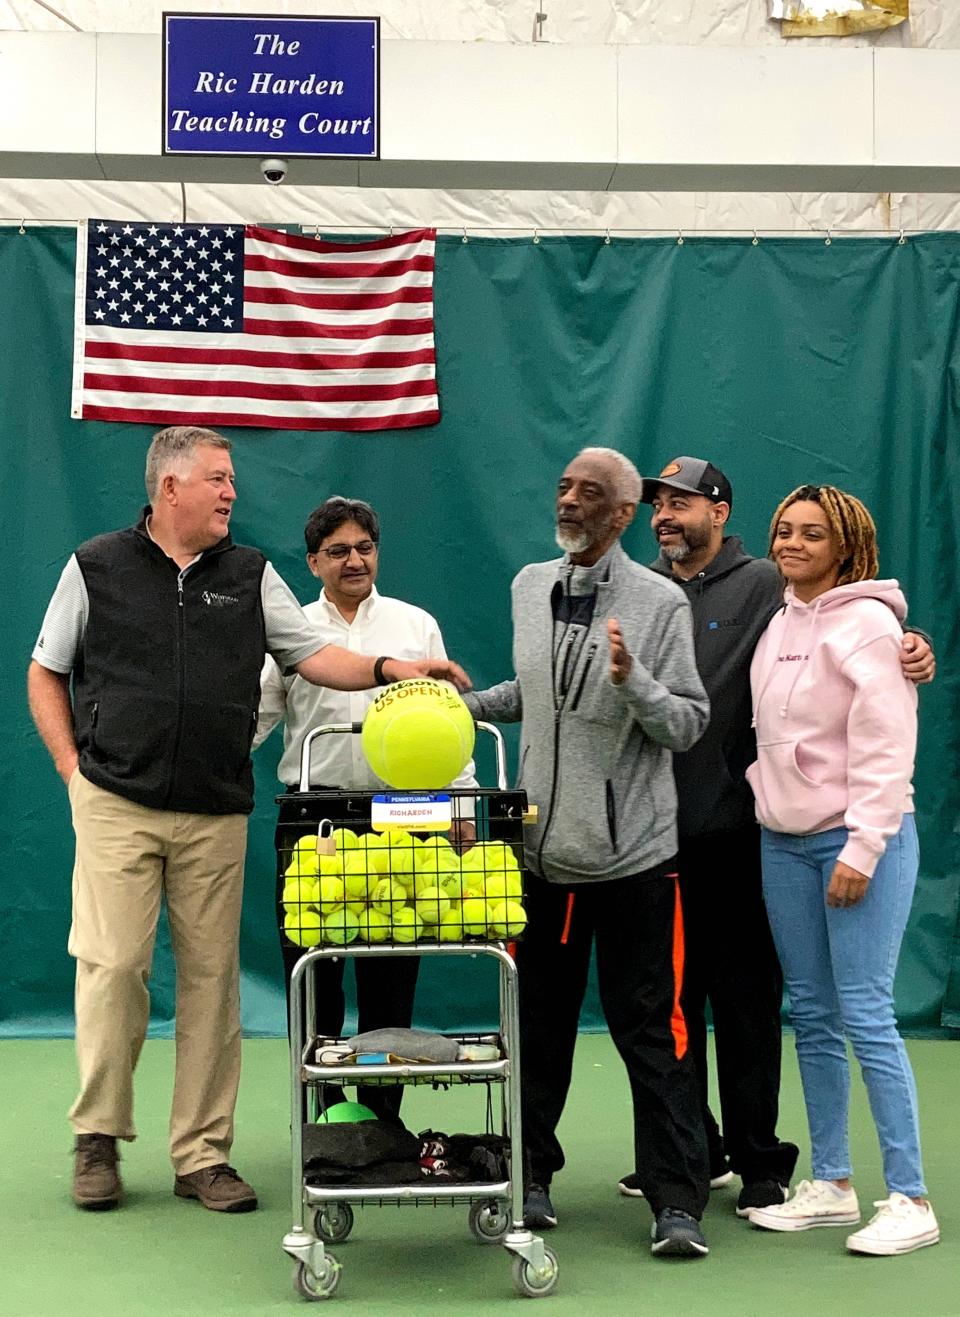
<point x="215" y="600"/>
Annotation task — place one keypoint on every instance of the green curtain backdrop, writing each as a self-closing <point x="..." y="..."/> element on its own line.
<point x="783" y="362"/>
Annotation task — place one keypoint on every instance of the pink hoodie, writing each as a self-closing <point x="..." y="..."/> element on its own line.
<point x="836" y="720"/>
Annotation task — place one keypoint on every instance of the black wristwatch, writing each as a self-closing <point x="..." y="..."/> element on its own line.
<point x="378" y="678"/>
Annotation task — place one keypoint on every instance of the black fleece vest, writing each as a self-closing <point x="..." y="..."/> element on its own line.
<point x="166" y="685"/>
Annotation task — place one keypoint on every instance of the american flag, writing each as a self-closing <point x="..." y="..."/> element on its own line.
<point x="227" y="324"/>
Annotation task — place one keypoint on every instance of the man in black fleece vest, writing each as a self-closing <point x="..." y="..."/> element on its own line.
<point x="163" y="630"/>
<point x="730" y="957"/>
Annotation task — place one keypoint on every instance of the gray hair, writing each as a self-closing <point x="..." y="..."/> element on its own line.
<point x="627" y="482"/>
<point x="173" y="450"/>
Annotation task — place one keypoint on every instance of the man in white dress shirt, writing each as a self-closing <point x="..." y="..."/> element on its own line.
<point x="343" y="543"/>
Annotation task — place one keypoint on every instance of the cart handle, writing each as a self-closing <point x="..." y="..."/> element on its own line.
<point x="354" y="729"/>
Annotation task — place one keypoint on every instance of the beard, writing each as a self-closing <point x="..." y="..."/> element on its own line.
<point x="572" y="542"/>
<point x="693" y="538"/>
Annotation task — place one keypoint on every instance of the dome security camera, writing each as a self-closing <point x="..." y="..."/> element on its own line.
<point x="274" y="171"/>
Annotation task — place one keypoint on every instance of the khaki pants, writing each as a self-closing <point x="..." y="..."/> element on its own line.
<point x="127" y="857"/>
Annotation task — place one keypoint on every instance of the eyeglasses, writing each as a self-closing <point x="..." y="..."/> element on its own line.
<point x="338" y="552"/>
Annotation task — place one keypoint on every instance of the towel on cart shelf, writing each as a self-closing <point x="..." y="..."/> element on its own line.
<point x="372" y="1153"/>
<point x="417" y="1046"/>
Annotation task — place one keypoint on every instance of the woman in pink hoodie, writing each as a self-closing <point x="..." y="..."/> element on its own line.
<point x="836" y="736"/>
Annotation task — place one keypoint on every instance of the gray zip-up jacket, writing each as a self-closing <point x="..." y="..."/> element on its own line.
<point x="594" y="757"/>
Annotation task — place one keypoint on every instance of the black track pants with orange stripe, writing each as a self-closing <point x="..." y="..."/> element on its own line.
<point x="637" y="924"/>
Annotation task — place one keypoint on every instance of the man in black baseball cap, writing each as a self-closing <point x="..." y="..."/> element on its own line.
<point x="694" y="476"/>
<point x="730" y="957"/>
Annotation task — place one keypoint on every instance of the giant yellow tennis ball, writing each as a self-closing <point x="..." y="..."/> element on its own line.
<point x="418" y="734"/>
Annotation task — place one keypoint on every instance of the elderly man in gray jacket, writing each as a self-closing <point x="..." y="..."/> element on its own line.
<point x="606" y="687"/>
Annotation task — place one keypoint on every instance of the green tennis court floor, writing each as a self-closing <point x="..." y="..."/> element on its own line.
<point x="159" y="1254"/>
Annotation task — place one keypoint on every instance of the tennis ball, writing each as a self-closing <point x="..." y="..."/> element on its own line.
<point x="474" y="915"/>
<point x="330" y="863"/>
<point x="502" y="885"/>
<point x="308" y="842"/>
<point x="402" y="856"/>
<point x="431" y="847"/>
<point x="299" y="892"/>
<point x="357" y="885"/>
<point x="374" y="925"/>
<point x="373" y="841"/>
<point x="330" y="893"/>
<point x="388" y="895"/>
<point x="406" y="925"/>
<point x="303" y="928"/>
<point x="507" y="919"/>
<point x="451" y="884"/>
<point x="340" y="927"/>
<point x="450" y="928"/>
<point x="418" y="733"/>
<point x="491" y="855"/>
<point x="431" y="905"/>
<point x="303" y="864"/>
<point x="345" y="838"/>
<point x="375" y="848"/>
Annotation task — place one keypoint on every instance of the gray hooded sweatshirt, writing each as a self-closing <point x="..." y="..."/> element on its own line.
<point x="594" y="757"/>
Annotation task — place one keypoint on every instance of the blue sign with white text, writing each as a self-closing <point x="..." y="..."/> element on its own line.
<point x="271" y="86"/>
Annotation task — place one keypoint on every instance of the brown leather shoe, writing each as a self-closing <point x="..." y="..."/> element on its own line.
<point x="96" y="1182"/>
<point x="218" y="1187"/>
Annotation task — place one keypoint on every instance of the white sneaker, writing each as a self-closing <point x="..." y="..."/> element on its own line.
<point x="899" y="1227"/>
<point x="815" y="1203"/>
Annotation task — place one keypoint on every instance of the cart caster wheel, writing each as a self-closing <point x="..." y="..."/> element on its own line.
<point x="316" y="1287"/>
<point x="489" y="1221"/>
<point x="535" y="1284"/>
<point x="333" y="1223"/>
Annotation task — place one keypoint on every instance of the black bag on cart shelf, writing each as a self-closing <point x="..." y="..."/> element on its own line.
<point x="478" y="1158"/>
<point x="371" y="1152"/>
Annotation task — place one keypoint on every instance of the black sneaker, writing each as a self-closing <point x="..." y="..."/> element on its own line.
<point x="677" y="1234"/>
<point x="538" y="1211"/>
<point x="761" y="1193"/>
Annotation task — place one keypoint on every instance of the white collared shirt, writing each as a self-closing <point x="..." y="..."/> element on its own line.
<point x="381" y="626"/>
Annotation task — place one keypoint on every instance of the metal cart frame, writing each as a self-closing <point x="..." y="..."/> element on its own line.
<point x="321" y="1215"/>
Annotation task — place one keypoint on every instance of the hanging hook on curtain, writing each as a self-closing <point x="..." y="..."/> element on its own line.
<point x="390" y="234"/>
<point x="679" y="237"/>
<point x="901" y="241"/>
<point x="22" y="228"/>
<point x="536" y="236"/>
<point x="754" y="241"/>
<point x="606" y="238"/>
<point x="464" y="238"/>
<point x="828" y="239"/>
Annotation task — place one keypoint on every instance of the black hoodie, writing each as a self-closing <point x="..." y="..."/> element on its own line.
<point x="732" y="599"/>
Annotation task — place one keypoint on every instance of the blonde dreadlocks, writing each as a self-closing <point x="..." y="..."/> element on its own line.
<point x="850" y="522"/>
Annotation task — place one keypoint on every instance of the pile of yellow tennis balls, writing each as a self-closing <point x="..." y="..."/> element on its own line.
<point x="392" y="887"/>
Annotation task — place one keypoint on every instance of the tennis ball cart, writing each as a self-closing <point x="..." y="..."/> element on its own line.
<point x="363" y="874"/>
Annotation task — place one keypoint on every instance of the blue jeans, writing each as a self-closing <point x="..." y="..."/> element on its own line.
<point x="838" y="967"/>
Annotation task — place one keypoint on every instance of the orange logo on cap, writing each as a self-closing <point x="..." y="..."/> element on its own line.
<point x="671" y="469"/>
